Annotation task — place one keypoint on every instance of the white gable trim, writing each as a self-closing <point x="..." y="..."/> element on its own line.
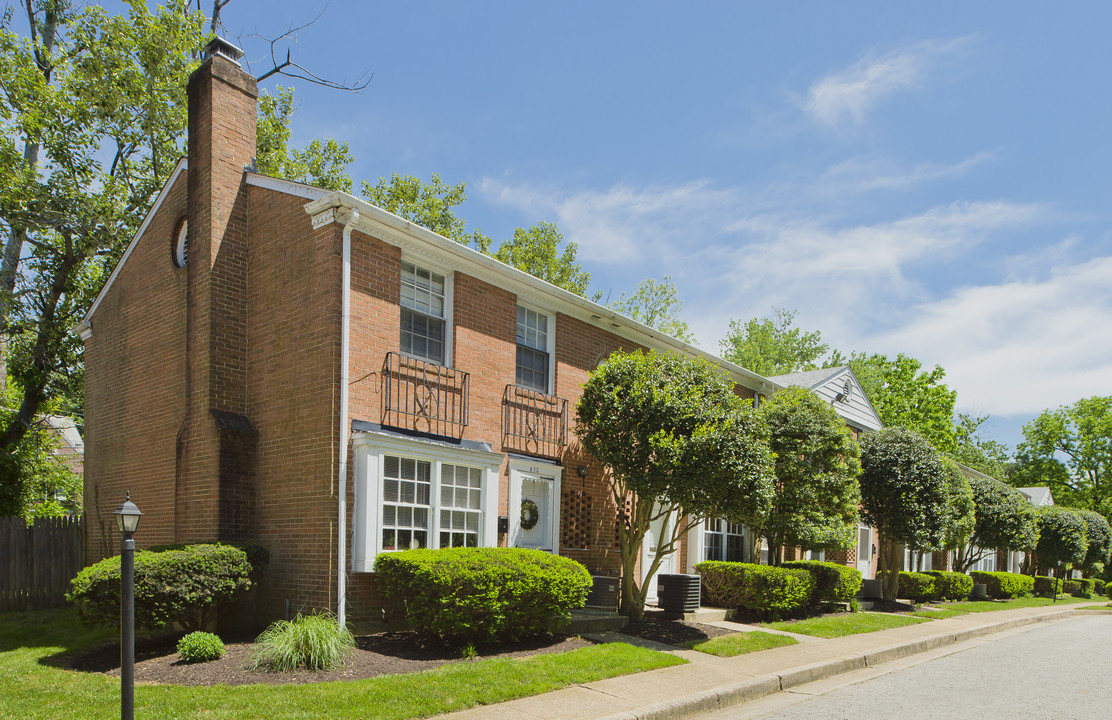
<point x="309" y="192"/>
<point x="85" y="327"/>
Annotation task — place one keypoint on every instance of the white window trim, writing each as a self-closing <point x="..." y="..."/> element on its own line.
<point x="550" y="343"/>
<point x="534" y="468"/>
<point x="449" y="306"/>
<point x="369" y="450"/>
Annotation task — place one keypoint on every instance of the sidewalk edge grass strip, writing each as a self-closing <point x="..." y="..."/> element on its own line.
<point x="832" y="626"/>
<point x="741" y="643"/>
<point x="962" y="607"/>
<point x="33" y="687"/>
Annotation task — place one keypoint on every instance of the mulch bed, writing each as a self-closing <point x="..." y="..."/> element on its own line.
<point x="388" y="653"/>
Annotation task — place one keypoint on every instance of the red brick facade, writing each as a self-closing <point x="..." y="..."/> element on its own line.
<point x="213" y="390"/>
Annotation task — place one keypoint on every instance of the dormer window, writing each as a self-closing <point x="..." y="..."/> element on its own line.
<point x="424" y="314"/>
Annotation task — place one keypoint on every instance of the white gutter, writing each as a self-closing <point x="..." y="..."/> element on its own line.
<point x="345" y="423"/>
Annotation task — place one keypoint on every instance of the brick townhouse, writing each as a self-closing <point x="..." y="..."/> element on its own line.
<point x="278" y="363"/>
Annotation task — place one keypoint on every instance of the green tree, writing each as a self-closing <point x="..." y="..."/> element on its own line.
<point x="814" y="504"/>
<point x="1004" y="519"/>
<point x="680" y="446"/>
<point x="904" y="395"/>
<point x="1070" y="449"/>
<point x="905" y="495"/>
<point x="962" y="509"/>
<point x="428" y="204"/>
<point x="1063" y="541"/>
<point x="658" y="305"/>
<point x="773" y="347"/>
<point x="537" y="252"/>
<point x="1098" y="533"/>
<point x="970" y="449"/>
<point x="92" y="109"/>
<point x="322" y="163"/>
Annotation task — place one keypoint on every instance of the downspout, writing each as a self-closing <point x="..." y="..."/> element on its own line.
<point x="345" y="423"/>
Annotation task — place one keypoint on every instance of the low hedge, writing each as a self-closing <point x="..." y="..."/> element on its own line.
<point x="917" y="586"/>
<point x="1045" y="585"/>
<point x="951" y="585"/>
<point x="833" y="582"/>
<point x="1004" y="585"/>
<point x="483" y="594"/>
<point x="762" y="590"/>
<point x="1098" y="585"/>
<point x="186" y="585"/>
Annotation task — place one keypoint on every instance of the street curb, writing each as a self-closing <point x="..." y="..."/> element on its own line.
<point x="760" y="686"/>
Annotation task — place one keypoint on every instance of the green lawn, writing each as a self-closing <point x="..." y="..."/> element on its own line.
<point x="32" y="687"/>
<point x="742" y="643"/>
<point x="832" y="626"/>
<point x="947" y="610"/>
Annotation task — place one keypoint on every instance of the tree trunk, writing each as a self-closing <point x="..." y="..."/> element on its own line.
<point x="889" y="570"/>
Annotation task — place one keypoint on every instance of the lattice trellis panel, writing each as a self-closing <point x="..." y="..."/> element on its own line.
<point x="622" y="519"/>
<point x="575" y="520"/>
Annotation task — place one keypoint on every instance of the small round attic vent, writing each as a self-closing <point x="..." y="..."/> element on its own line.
<point x="180" y="248"/>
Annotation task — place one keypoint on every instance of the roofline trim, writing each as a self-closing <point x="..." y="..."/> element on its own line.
<point x="85" y="327"/>
<point x="373" y="220"/>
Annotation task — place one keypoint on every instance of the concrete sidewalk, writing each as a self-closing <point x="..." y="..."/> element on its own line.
<point x="709" y="683"/>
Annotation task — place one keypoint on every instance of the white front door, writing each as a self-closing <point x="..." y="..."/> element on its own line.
<point x="657" y="528"/>
<point x="534" y="506"/>
<point x="865" y="551"/>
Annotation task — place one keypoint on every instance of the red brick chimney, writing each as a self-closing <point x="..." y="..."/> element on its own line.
<point x="216" y="442"/>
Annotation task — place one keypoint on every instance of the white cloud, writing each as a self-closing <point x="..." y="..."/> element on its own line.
<point x="1021" y="346"/>
<point x="852" y="92"/>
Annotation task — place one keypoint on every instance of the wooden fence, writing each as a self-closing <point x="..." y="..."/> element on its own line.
<point x="37" y="562"/>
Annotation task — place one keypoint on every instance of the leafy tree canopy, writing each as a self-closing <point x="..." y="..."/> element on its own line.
<point x="905" y="494"/>
<point x="962" y="510"/>
<point x="814" y="505"/>
<point x="658" y="305"/>
<point x="773" y="347"/>
<point x="538" y="252"/>
<point x="987" y="456"/>
<point x="904" y="395"/>
<point x="1004" y="520"/>
<point x="1062" y="538"/>
<point x="321" y="163"/>
<point x="677" y="441"/>
<point x="1099" y="535"/>
<point x="1070" y="449"/>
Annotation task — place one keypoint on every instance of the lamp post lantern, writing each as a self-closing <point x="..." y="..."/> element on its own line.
<point x="127" y="520"/>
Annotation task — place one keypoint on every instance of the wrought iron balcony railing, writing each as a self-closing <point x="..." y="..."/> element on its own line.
<point x="533" y="422"/>
<point x="423" y="396"/>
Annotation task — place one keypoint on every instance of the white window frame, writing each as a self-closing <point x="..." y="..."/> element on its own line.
<point x="449" y="304"/>
<point x="370" y="449"/>
<point x="550" y="343"/>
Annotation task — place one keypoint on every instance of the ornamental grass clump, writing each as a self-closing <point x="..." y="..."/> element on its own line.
<point x="314" y="642"/>
<point x="200" y="647"/>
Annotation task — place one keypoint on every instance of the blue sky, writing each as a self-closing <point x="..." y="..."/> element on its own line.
<point x="927" y="178"/>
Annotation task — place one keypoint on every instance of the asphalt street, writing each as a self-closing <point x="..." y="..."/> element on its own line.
<point x="1059" y="670"/>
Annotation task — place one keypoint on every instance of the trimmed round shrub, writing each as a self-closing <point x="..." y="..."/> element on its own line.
<point x="833" y="582"/>
<point x="315" y="642"/>
<point x="483" y="594"/>
<point x="1004" y="585"/>
<point x="1098" y="585"/>
<point x="1045" y="585"/>
<point x="200" y="646"/>
<point x="762" y="590"/>
<point x="186" y="585"/>
<point x="951" y="585"/>
<point x="917" y="586"/>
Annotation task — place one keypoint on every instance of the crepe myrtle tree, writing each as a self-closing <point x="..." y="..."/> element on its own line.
<point x="679" y="446"/>
<point x="1099" y="535"/>
<point x="905" y="495"/>
<point x="1063" y="541"/>
<point x="815" y="498"/>
<point x="1003" y="520"/>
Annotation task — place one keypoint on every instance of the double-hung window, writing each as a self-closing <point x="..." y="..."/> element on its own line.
<point x="723" y="541"/>
<point x="533" y="353"/>
<point x="411" y="496"/>
<point x="424" y="314"/>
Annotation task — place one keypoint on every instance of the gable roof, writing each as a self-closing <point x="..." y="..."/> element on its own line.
<point x="1039" y="496"/>
<point x="841" y="388"/>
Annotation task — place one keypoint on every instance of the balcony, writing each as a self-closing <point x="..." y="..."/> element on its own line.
<point x="423" y="396"/>
<point x="533" y="422"/>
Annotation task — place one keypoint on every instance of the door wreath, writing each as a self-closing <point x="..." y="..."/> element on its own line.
<point x="530" y="514"/>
